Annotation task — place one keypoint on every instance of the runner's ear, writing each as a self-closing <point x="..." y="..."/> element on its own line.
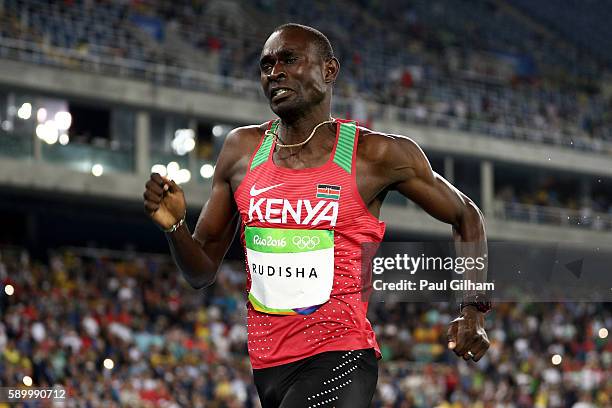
<point x="332" y="68"/>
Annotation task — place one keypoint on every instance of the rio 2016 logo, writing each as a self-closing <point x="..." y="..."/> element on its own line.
<point x="306" y="242"/>
<point x="269" y="241"/>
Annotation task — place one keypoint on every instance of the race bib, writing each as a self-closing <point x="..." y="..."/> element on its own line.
<point x="292" y="270"/>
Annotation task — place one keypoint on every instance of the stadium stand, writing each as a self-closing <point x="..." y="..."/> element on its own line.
<point x="449" y="74"/>
<point x="552" y="201"/>
<point x="512" y="70"/>
<point x="583" y="22"/>
<point x="483" y="70"/>
<point x="172" y="346"/>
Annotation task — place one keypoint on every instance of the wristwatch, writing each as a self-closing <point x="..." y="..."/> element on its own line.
<point x="479" y="301"/>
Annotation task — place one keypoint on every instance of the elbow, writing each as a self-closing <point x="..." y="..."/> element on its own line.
<point x="200" y="274"/>
<point x="200" y="280"/>
<point x="476" y="214"/>
<point x="199" y="284"/>
<point x="472" y="223"/>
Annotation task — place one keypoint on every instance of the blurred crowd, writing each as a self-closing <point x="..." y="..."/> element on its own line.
<point x="477" y="66"/>
<point x="517" y="370"/>
<point x="583" y="21"/>
<point x="550" y="202"/>
<point x="172" y="346"/>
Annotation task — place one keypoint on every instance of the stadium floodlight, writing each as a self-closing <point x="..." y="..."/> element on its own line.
<point x="63" y="120"/>
<point x="184" y="141"/>
<point x="109" y="364"/>
<point x="64" y="139"/>
<point x="183" y="176"/>
<point x="159" y="169"/>
<point x="6" y="125"/>
<point x="41" y="115"/>
<point x="97" y="169"/>
<point x="47" y="131"/>
<point x="25" y="111"/>
<point x="184" y="133"/>
<point x="172" y="169"/>
<point x="40" y="131"/>
<point x="217" y="131"/>
<point x="52" y="138"/>
<point x="189" y="144"/>
<point x="207" y="171"/>
<point x="51" y="132"/>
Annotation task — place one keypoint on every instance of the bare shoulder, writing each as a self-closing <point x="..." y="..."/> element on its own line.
<point x="245" y="136"/>
<point x="242" y="141"/>
<point x="387" y="149"/>
<point x="238" y="147"/>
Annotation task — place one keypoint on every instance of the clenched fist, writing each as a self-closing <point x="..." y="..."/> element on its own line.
<point x="467" y="336"/>
<point x="164" y="201"/>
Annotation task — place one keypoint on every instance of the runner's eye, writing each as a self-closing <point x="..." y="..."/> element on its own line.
<point x="265" y="64"/>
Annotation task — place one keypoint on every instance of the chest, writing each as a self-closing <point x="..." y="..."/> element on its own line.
<point x="370" y="180"/>
<point x="314" y="197"/>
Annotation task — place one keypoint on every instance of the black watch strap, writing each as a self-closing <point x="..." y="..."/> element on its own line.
<point x="479" y="301"/>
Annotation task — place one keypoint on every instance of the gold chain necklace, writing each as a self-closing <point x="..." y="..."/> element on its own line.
<point x="276" y="138"/>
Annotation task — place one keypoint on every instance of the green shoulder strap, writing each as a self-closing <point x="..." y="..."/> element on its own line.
<point x="264" y="149"/>
<point x="343" y="156"/>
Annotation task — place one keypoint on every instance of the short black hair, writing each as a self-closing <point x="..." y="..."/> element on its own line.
<point x="321" y="41"/>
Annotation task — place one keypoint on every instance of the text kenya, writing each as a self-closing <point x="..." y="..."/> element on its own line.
<point x="277" y="211"/>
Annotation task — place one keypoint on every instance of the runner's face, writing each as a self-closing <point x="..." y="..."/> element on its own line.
<point x="292" y="72"/>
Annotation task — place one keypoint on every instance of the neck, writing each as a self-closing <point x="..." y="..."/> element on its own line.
<point x="296" y="130"/>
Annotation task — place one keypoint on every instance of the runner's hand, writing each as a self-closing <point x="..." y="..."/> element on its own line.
<point x="164" y="201"/>
<point x="467" y="336"/>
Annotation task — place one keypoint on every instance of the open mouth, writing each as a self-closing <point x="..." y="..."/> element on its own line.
<point x="279" y="93"/>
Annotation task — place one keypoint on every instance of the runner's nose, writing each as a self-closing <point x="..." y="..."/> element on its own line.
<point x="277" y="72"/>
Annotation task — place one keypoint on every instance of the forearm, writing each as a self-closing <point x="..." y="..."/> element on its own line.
<point x="471" y="243"/>
<point x="198" y="268"/>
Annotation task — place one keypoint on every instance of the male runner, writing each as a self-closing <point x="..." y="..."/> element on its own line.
<point x="307" y="191"/>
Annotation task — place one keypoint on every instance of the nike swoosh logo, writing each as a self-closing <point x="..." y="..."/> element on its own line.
<point x="255" y="192"/>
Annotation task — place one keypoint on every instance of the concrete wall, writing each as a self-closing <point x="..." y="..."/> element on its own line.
<point x="32" y="174"/>
<point x="129" y="187"/>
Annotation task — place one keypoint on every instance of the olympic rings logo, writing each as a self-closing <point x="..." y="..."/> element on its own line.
<point x="305" y="242"/>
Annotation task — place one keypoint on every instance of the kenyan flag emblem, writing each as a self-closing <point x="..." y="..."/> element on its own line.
<point x="328" y="191"/>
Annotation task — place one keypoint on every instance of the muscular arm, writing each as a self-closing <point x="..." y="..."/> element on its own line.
<point x="414" y="178"/>
<point x="418" y="182"/>
<point x="199" y="256"/>
<point x="443" y="201"/>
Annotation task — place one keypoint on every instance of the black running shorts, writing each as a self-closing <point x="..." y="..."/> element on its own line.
<point x="341" y="379"/>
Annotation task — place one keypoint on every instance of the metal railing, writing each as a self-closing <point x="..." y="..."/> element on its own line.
<point x="114" y="65"/>
<point x="537" y="214"/>
<point x="496" y="130"/>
